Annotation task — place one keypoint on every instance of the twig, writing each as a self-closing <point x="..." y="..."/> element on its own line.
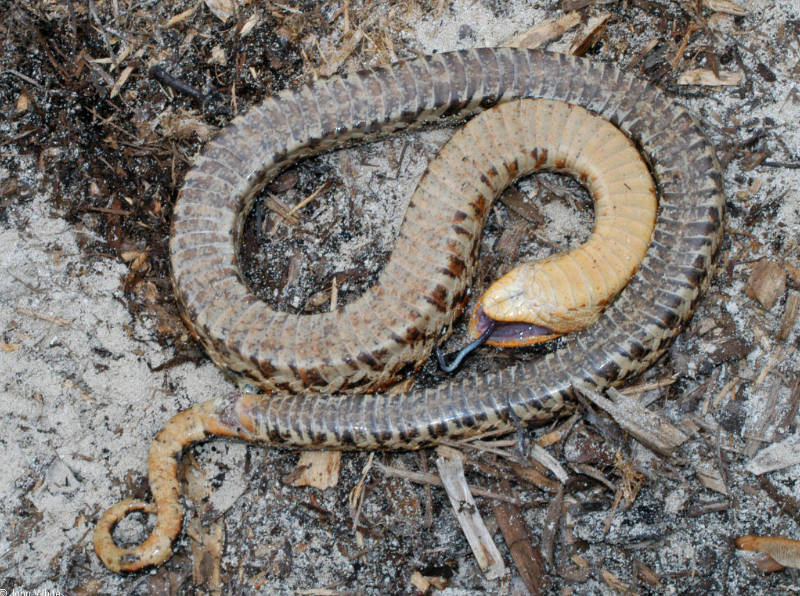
<point x="433" y="479"/>
<point x="451" y="470"/>
<point x="527" y="558"/>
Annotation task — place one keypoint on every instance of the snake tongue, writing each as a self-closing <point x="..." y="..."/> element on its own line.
<point x="509" y="334"/>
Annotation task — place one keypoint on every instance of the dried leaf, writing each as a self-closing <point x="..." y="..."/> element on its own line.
<point x="767" y="282"/>
<point x="183" y="127"/>
<point x="705" y="76"/>
<point x="319" y="469"/>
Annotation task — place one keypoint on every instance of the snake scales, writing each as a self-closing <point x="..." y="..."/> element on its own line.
<point x="629" y="335"/>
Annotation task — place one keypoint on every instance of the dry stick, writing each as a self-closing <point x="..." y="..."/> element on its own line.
<point x="551" y="525"/>
<point x="434" y="480"/>
<point x="527" y="558"/>
<point x="648" y="427"/>
<point x="451" y="470"/>
<point x="320" y="189"/>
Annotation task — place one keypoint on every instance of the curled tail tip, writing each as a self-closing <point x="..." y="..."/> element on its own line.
<point x="153" y="551"/>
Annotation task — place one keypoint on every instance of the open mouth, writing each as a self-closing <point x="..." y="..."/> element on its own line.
<point x="510" y="334"/>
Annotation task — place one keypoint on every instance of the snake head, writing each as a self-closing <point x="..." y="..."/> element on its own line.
<point x="529" y="306"/>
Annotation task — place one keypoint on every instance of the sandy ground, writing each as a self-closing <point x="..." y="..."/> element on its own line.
<point x="81" y="401"/>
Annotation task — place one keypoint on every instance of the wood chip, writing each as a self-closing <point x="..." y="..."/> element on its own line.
<point x="705" y="76"/>
<point x="527" y="558"/>
<point x="23" y="102"/>
<point x="549" y="462"/>
<point x="554" y="511"/>
<point x="789" y="316"/>
<point x="725" y="6"/>
<point x="121" y="80"/>
<point x="615" y="583"/>
<point x="349" y="44"/>
<point x="650" y="428"/>
<point x="767" y="283"/>
<point x="319" y="469"/>
<point x="451" y="470"/>
<point x="784" y="551"/>
<point x="218" y="56"/>
<point x="711" y="478"/>
<point x="249" y="24"/>
<point x="222" y="9"/>
<point x="532" y="476"/>
<point x="591" y="35"/>
<point x="776" y="457"/>
<point x="544" y="32"/>
<point x="516" y="201"/>
<point x="181" y="16"/>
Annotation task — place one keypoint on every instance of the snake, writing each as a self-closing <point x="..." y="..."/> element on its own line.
<point x="377" y="336"/>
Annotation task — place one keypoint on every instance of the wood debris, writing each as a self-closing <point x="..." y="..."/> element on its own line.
<point x="789" y="316"/>
<point x="707" y="77"/>
<point x="527" y="558"/>
<point x="451" y="469"/>
<point x="615" y="583"/>
<point x="532" y="476"/>
<point x="222" y="9"/>
<point x="776" y="457"/>
<point x="544" y="32"/>
<point x="318" y="469"/>
<point x="711" y="478"/>
<point x="725" y="6"/>
<point x="348" y="45"/>
<point x="650" y="428"/>
<point x="121" y="80"/>
<point x="249" y="25"/>
<point x="423" y="583"/>
<point x="784" y="551"/>
<point x="434" y="480"/>
<point x="208" y="539"/>
<point x="551" y="463"/>
<point x="548" y="540"/>
<point x="181" y="17"/>
<point x="767" y="283"/>
<point x="591" y="35"/>
<point x="36" y="315"/>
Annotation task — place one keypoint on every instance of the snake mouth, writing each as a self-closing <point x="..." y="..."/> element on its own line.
<point x="511" y="334"/>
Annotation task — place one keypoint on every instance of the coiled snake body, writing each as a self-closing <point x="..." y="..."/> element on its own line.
<point x="629" y="335"/>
